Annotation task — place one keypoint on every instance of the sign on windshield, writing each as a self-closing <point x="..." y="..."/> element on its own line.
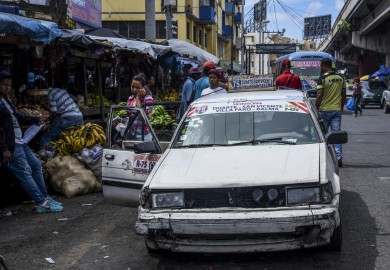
<point x="242" y="82"/>
<point x="308" y="64"/>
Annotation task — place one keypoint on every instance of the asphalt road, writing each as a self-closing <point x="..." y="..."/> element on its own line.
<point x="91" y="234"/>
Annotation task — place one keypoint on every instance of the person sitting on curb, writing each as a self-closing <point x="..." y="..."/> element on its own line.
<point x="17" y="155"/>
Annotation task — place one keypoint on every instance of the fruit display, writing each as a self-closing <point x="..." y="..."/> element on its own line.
<point x="36" y="111"/>
<point x="94" y="100"/>
<point x="74" y="139"/>
<point x="160" y="119"/>
<point x="168" y="95"/>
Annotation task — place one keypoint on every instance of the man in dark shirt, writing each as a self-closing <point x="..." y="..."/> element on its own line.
<point x="287" y="79"/>
<point x="16" y="154"/>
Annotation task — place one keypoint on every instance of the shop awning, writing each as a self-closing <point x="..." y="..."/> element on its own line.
<point x="37" y="30"/>
<point x="186" y="49"/>
<point x="154" y="50"/>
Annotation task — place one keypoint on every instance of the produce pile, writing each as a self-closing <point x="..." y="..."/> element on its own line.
<point x="168" y="95"/>
<point x="74" y="139"/>
<point x="160" y="119"/>
<point x="35" y="111"/>
<point x="94" y="100"/>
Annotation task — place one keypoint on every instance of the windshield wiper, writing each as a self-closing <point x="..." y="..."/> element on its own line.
<point x="255" y="141"/>
<point x="200" y="145"/>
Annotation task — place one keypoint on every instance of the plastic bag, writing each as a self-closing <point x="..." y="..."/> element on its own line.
<point x="351" y="104"/>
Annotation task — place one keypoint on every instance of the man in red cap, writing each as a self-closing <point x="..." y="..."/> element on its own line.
<point x="287" y="79"/>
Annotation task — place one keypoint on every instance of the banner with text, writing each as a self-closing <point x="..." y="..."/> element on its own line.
<point x="251" y="82"/>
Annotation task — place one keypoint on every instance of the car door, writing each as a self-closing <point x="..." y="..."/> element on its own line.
<point x="123" y="171"/>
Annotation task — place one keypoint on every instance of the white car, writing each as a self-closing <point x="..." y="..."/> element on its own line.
<point x="244" y="172"/>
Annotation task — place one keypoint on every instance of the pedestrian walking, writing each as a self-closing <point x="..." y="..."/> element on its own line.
<point x="193" y="75"/>
<point x="330" y="100"/>
<point x="287" y="79"/>
<point x="357" y="94"/>
<point x="17" y="155"/>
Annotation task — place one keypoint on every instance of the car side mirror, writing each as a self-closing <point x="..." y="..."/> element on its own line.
<point x="146" y="147"/>
<point x="337" y="137"/>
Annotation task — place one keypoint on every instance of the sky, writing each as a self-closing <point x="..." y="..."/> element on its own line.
<point x="304" y="8"/>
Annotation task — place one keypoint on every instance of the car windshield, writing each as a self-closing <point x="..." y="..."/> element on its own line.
<point x="245" y="128"/>
<point x="373" y="85"/>
<point x="373" y="91"/>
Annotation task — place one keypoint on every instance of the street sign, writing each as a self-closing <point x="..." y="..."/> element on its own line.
<point x="252" y="82"/>
<point x="275" y="48"/>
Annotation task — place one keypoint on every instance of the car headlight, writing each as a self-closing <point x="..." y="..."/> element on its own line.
<point x="164" y="200"/>
<point x="311" y="194"/>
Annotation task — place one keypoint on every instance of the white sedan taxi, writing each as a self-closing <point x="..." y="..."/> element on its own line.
<point x="244" y="172"/>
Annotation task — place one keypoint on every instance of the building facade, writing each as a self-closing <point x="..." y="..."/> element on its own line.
<point x="212" y="25"/>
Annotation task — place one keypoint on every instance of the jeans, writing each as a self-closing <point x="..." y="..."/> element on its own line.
<point x="332" y="119"/>
<point x="58" y="125"/>
<point x="357" y="105"/>
<point x="28" y="170"/>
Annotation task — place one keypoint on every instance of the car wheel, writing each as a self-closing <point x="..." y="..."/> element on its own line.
<point x="386" y="107"/>
<point x="336" y="240"/>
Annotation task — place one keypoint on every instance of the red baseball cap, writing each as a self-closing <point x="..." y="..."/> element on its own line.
<point x="286" y="62"/>
<point x="209" y="65"/>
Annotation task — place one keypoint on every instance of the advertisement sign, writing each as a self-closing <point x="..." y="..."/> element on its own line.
<point x="317" y="27"/>
<point x="251" y="82"/>
<point x="308" y="64"/>
<point x="88" y="12"/>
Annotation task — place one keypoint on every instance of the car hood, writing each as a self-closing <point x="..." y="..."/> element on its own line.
<point x="235" y="166"/>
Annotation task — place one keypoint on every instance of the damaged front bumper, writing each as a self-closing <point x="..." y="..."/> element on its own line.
<point x="238" y="230"/>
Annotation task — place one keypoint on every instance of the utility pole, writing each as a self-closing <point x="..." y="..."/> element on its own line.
<point x="150" y="20"/>
<point x="242" y="36"/>
<point x="168" y="25"/>
<point x="232" y="46"/>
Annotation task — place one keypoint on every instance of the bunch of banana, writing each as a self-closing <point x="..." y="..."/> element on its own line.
<point x="74" y="139"/>
<point x="160" y="119"/>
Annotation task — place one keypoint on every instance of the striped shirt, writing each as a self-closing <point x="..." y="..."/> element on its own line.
<point x="61" y="103"/>
<point x="137" y="123"/>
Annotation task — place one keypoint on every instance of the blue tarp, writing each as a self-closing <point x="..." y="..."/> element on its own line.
<point x="37" y="30"/>
<point x="383" y="71"/>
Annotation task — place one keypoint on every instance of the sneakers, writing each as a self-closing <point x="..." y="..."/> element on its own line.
<point x="49" y="207"/>
<point x="51" y="200"/>
<point x="340" y="162"/>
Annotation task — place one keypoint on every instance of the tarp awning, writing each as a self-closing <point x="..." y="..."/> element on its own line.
<point x="188" y="50"/>
<point x="76" y="36"/>
<point x="37" y="30"/>
<point x="154" y="50"/>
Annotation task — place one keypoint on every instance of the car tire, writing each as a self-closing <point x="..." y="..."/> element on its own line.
<point x="386" y="107"/>
<point x="336" y="240"/>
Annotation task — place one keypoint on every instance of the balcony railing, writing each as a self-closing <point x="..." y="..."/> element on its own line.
<point x="230" y="8"/>
<point x="238" y="17"/>
<point x="207" y="14"/>
<point x="227" y="30"/>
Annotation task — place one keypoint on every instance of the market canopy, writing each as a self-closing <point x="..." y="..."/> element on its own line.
<point x="37" y="30"/>
<point x="76" y="36"/>
<point x="153" y="50"/>
<point x="382" y="72"/>
<point x="189" y="50"/>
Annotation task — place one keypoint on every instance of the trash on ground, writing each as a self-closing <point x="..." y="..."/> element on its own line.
<point x="50" y="260"/>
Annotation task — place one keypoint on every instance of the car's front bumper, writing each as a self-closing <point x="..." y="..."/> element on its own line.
<point x="238" y="230"/>
<point x="371" y="101"/>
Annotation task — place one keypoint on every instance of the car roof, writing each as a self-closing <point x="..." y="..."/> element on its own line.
<point x="290" y="95"/>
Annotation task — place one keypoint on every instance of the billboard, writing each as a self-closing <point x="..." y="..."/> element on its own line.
<point x="317" y="27"/>
<point x="88" y="12"/>
<point x="260" y="11"/>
